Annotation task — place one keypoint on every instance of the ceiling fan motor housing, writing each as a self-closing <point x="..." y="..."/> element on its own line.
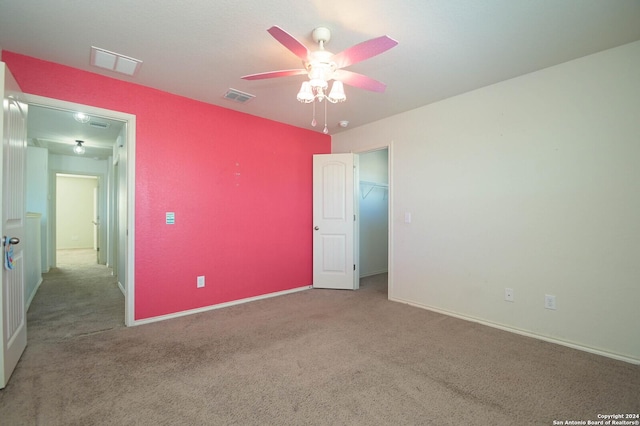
<point x="320" y="68"/>
<point x="321" y="34"/>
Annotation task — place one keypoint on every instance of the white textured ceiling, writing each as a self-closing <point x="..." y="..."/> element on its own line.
<point x="200" y="48"/>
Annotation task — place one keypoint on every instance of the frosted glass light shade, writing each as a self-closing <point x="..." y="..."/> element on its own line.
<point x="337" y="92"/>
<point x="305" y="94"/>
<point x="79" y="149"/>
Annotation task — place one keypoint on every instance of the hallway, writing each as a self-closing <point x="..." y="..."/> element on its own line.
<point x="78" y="297"/>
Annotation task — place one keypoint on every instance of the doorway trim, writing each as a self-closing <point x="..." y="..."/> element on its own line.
<point x="130" y="123"/>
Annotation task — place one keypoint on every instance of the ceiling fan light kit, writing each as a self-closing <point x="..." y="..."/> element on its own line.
<point x="322" y="66"/>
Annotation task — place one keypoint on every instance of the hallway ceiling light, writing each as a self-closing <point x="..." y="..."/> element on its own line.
<point x="79" y="149"/>
<point x="81" y="117"/>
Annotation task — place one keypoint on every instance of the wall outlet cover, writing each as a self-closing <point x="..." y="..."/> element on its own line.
<point x="509" y="295"/>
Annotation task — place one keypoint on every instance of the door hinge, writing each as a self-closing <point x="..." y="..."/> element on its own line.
<point x="354" y="217"/>
<point x="354" y="266"/>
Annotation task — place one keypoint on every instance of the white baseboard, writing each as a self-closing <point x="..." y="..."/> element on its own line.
<point x="121" y="287"/>
<point x="524" y="332"/>
<point x="33" y="294"/>
<point x="368" y="274"/>
<point x="218" y="306"/>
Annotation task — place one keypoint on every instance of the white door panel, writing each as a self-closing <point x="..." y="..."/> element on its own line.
<point x="13" y="323"/>
<point x="333" y="220"/>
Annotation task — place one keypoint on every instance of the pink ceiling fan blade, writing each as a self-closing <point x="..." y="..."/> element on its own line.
<point x="365" y="50"/>
<point x="290" y="42"/>
<point x="274" y="74"/>
<point x="359" y="80"/>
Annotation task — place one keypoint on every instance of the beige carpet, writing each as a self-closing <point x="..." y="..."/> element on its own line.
<point x="318" y="357"/>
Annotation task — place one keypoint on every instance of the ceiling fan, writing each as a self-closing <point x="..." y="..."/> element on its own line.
<point x="323" y="66"/>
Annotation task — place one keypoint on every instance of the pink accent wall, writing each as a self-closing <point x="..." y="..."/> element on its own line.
<point x="240" y="187"/>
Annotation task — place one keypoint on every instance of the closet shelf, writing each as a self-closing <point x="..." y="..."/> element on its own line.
<point x="371" y="186"/>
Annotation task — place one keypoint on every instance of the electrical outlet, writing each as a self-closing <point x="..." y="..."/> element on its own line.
<point x="549" y="301"/>
<point x="200" y="281"/>
<point x="508" y="295"/>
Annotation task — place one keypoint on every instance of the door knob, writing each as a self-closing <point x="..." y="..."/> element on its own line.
<point x="12" y="240"/>
<point x="317" y="228"/>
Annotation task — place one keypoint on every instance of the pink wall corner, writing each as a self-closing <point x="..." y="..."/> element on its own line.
<point x="240" y="187"/>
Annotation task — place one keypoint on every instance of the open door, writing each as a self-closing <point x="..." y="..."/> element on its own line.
<point x="334" y="225"/>
<point x="13" y="321"/>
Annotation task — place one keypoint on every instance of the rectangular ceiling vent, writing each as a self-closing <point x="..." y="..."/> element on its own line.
<point x="112" y="61"/>
<point x="238" y="96"/>
<point x="98" y="124"/>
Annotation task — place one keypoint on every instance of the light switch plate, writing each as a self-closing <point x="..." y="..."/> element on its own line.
<point x="170" y="218"/>
<point x="550" y="302"/>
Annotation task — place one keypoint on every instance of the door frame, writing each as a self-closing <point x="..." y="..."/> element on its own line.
<point x="130" y="123"/>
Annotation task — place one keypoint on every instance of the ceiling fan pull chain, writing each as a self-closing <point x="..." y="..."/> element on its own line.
<point x="326" y="129"/>
<point x="313" y="122"/>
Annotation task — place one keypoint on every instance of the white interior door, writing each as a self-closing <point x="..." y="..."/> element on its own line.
<point x="334" y="263"/>
<point x="13" y="319"/>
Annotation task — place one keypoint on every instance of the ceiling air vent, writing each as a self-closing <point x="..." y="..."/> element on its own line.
<point x="98" y="124"/>
<point x="238" y="96"/>
<point x="103" y="58"/>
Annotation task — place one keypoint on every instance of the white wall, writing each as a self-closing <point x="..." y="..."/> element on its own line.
<point x="532" y="184"/>
<point x="80" y="165"/>
<point x="77" y="164"/>
<point x="37" y="187"/>
<point x="374" y="212"/>
<point x="74" y="211"/>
